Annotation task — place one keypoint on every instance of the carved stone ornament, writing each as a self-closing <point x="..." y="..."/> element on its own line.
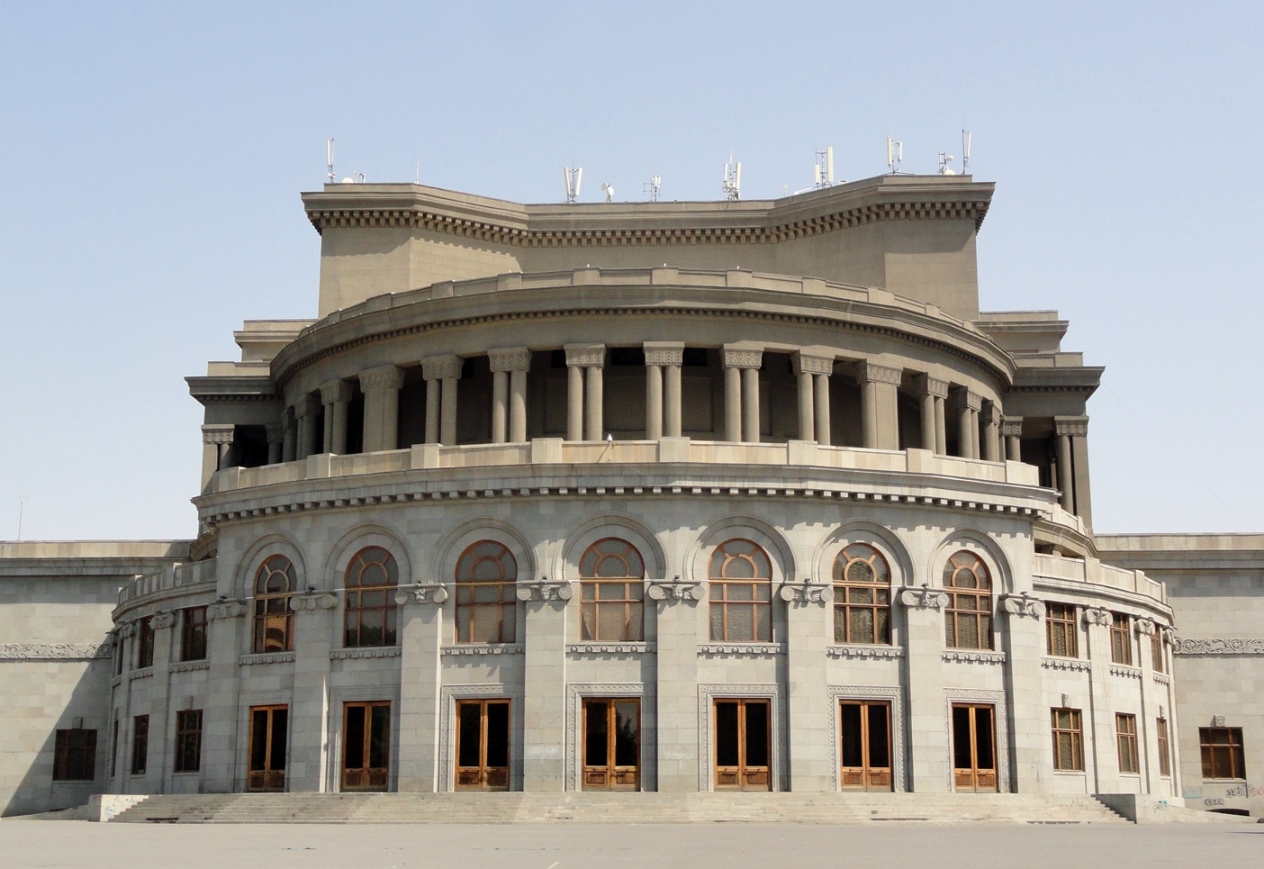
<point x="927" y="385"/>
<point x="880" y="373"/>
<point x="610" y="648"/>
<point x="218" y="434"/>
<point x="385" y="377"/>
<point x="545" y="590"/>
<point x="226" y="609"/>
<point x="806" y="593"/>
<point x="742" y="358"/>
<point x="55" y="651"/>
<point x="335" y="390"/>
<point x="1219" y="646"/>
<point x="435" y="594"/>
<point x="162" y="620"/>
<point x="125" y="630"/>
<point x="924" y="598"/>
<point x="1146" y="627"/>
<point x="1022" y="606"/>
<point x="1070" y="426"/>
<point x="858" y="652"/>
<point x="1098" y="616"/>
<point x="1074" y="665"/>
<point x="970" y="656"/>
<point x="320" y="600"/>
<point x="1012" y="426"/>
<point x="972" y="400"/>
<point x="741" y="650"/>
<point x="440" y="367"/>
<point x="1168" y="634"/>
<point x="509" y="359"/>
<point x="669" y="591"/>
<point x="483" y="649"/>
<point x="585" y="355"/>
<point x="664" y="353"/>
<point x="804" y="364"/>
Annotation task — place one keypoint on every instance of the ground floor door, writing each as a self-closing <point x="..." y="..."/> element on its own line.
<point x="974" y="747"/>
<point x="482" y="745"/>
<point x="612" y="744"/>
<point x="743" y="745"/>
<point x="269" y="726"/>
<point x="866" y="745"/>
<point x="366" y="745"/>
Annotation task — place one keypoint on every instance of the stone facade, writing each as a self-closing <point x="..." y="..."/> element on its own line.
<point x="556" y="498"/>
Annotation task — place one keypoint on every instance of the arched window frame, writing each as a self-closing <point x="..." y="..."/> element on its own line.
<point x="611" y="606"/>
<point x="370" y="611"/>
<point x="273" y="618"/>
<point x="482" y="602"/>
<point x="862" y="607"/>
<point x="968" y="616"/>
<point x="741" y="607"/>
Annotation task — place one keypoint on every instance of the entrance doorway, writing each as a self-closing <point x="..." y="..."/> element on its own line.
<point x="866" y="745"/>
<point x="974" y="747"/>
<point x="743" y="745"/>
<point x="366" y="741"/>
<point x="612" y="744"/>
<point x="268" y="734"/>
<point x="482" y="745"/>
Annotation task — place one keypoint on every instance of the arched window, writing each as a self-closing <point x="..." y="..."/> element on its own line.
<point x="485" y="598"/>
<point x="370" y="607"/>
<point x="611" y="574"/>
<point x="862" y="596"/>
<point x="969" y="614"/>
<point x="274" y="623"/>
<point x="740" y="576"/>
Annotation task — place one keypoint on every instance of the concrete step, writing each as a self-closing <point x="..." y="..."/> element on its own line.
<point x="624" y="808"/>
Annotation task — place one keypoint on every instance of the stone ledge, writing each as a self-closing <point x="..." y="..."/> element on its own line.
<point x="267" y="658"/>
<point x="610" y="649"/>
<point x="1075" y="665"/>
<point x="367" y="652"/>
<point x="962" y="656"/>
<point x="190" y="666"/>
<point x="853" y="651"/>
<point x="484" y="649"/>
<point x="741" y="650"/>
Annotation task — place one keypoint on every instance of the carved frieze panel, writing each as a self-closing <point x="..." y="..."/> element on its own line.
<point x="806" y="593"/>
<point x="667" y="591"/>
<point x="544" y="590"/>
<point x="923" y="598"/>
<point x="432" y="594"/>
<point x="1022" y="606"/>
<point x="1219" y="646"/>
<point x="855" y="652"/>
<point x="55" y="651"/>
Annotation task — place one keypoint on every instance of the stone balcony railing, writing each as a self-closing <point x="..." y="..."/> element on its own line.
<point x="1091" y="570"/>
<point x="172" y="578"/>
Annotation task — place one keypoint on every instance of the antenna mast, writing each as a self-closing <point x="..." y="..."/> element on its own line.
<point x="651" y="188"/>
<point x="732" y="180"/>
<point x="574" y="175"/>
<point x="329" y="160"/>
<point x="895" y="155"/>
<point x="825" y="168"/>
<point x="966" y="137"/>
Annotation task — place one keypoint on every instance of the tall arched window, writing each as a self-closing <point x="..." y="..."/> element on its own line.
<point x="968" y="618"/>
<point x="274" y="623"/>
<point x="486" y="603"/>
<point x="611" y="574"/>
<point x="740" y="576"/>
<point x="370" y="607"/>
<point x="862" y="596"/>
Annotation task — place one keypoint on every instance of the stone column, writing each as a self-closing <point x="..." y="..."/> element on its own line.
<point x="662" y="388"/>
<point x="929" y="762"/>
<point x="968" y="423"/>
<point x="1099" y="726"/>
<point x="813" y="374"/>
<point x="1024" y="644"/>
<point x="305" y="411"/>
<point x="509" y="393"/>
<point x="441" y="374"/>
<point x="381" y="407"/>
<point x="518" y="403"/>
<point x="421" y="638"/>
<point x="941" y="423"/>
<point x="1066" y="482"/>
<point x="879" y="400"/>
<point x="811" y="736"/>
<point x="676" y="675"/>
<point x="544" y="686"/>
<point x="336" y="396"/>
<point x="276" y="441"/>
<point x="1147" y="738"/>
<point x="932" y="393"/>
<point x="226" y="626"/>
<point x="584" y="359"/>
<point x="315" y="614"/>
<point x="433" y="389"/>
<point x="672" y="411"/>
<point x="1075" y="430"/>
<point x="991" y="432"/>
<point x="741" y="392"/>
<point x="289" y="444"/>
<point x="216" y="439"/>
<point x="1012" y="431"/>
<point x="807" y="405"/>
<point x="158" y="772"/>
<point x="448" y="404"/>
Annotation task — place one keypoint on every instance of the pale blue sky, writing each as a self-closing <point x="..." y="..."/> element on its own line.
<point x="153" y="155"/>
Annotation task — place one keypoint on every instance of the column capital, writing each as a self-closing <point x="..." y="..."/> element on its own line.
<point x="971" y="399"/>
<point x="927" y="385"/>
<point x="335" y="390"/>
<point x="664" y="352"/>
<point x="1146" y="627"/>
<point x="992" y="412"/>
<point x="1022" y="606"/>
<point x="869" y="372"/>
<point x="1098" y="616"/>
<point x="673" y="590"/>
<point x="585" y="355"/>
<point x="924" y="598"/>
<point x="226" y="609"/>
<point x="432" y="594"/>
<point x="812" y="363"/>
<point x="509" y="359"/>
<point x="382" y="377"/>
<point x="741" y="356"/>
<point x="306" y="405"/>
<point x="543" y="589"/>
<point x="1072" y="426"/>
<point x="1012" y="426"/>
<point x="162" y="620"/>
<point x="806" y="592"/>
<point x="313" y="601"/>
<point x="218" y="433"/>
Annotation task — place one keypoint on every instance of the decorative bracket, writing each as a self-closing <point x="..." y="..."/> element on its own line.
<point x="1022" y="606"/>
<point x="226" y="609"/>
<point x="321" y="600"/>
<point x="1098" y="616"/>
<point x="1146" y="627"/>
<point x="162" y="620"/>
<point x="543" y="589"/>
<point x="435" y="594"/>
<point x="806" y="592"/>
<point x="673" y="590"/>
<point x="924" y="598"/>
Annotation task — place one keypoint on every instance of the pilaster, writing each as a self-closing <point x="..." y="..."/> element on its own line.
<point x="309" y="711"/>
<point x="223" y="750"/>
<point x="677" y="682"/>
<point x="811" y="734"/>
<point x="1024" y="648"/>
<point x="929" y="756"/>
<point x="421" y="639"/>
<point x="158" y="771"/>
<point x="1100" y="723"/>
<point x="544" y="684"/>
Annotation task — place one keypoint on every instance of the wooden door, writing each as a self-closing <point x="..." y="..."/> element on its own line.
<point x="482" y="745"/>
<point x="269" y="727"/>
<point x="743" y="745"/>
<point x="974" y="747"/>
<point x="366" y="742"/>
<point x="612" y="744"/>
<point x="866" y="745"/>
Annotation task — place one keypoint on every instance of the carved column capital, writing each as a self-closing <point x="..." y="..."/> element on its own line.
<point x="545" y="590"/>
<point x="382" y="377"/>
<point x="810" y="363"/>
<point x="1012" y="426"/>
<point x="924" y="598"/>
<point x="927" y="385"/>
<point x="226" y="609"/>
<point x="306" y="405"/>
<point x="1071" y="426"/>
<point x="431" y="594"/>
<point x="312" y="602"/>
<point x="218" y="433"/>
<point x="870" y="372"/>
<point x="971" y="399"/>
<point x="509" y="359"/>
<point x="668" y="591"/>
<point x="162" y="620"/>
<point x="1146" y="627"/>
<point x="125" y="630"/>
<point x="740" y="356"/>
<point x="1022" y="606"/>
<point x="992" y="413"/>
<point x="336" y="390"/>
<point x="585" y="355"/>
<point x="664" y="352"/>
<point x="806" y="593"/>
<point x="1098" y="616"/>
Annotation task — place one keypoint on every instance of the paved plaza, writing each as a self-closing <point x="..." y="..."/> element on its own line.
<point x="565" y="846"/>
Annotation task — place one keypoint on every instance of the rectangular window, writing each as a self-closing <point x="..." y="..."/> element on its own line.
<point x="193" y="634"/>
<point x="120" y="653"/>
<point x="140" y="744"/>
<point x="75" y="755"/>
<point x="1068" y="740"/>
<point x="1126" y="738"/>
<point x="1221" y="749"/>
<point x="189" y="739"/>
<point x="1156" y="652"/>
<point x="1120" y="639"/>
<point x="114" y="748"/>
<point x="1060" y="630"/>
<point x="1165" y="750"/>
<point x="145" y="643"/>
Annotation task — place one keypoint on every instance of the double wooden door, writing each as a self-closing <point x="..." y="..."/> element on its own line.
<point x="743" y="745"/>
<point x="974" y="747"/>
<point x="866" y="745"/>
<point x="482" y="745"/>
<point x="366" y="746"/>
<point x="612" y="744"/>
<point x="269" y="734"/>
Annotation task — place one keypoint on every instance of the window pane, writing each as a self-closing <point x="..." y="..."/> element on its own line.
<point x="597" y="738"/>
<point x="757" y="746"/>
<point x="627" y="734"/>
<point x="380" y="736"/>
<point x="611" y="621"/>
<point x="498" y="734"/>
<point x="353" y="740"/>
<point x="741" y="623"/>
<point x="861" y="625"/>
<point x="879" y="742"/>
<point x="726" y="734"/>
<point x="852" y="755"/>
<point x="470" y="726"/>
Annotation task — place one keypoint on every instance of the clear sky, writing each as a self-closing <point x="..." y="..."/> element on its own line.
<point x="153" y="155"/>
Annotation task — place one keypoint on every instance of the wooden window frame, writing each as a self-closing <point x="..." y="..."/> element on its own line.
<point x="356" y="612"/>
<point x="1068" y="739"/>
<point x="1121" y="639"/>
<point x="629" y="588"/>
<point x="1061" y="630"/>
<point x="1126" y="743"/>
<point x="1165" y="747"/>
<point x="120" y="655"/>
<point x="145" y="641"/>
<point x="140" y="744"/>
<point x="193" y="633"/>
<point x="968" y="603"/>
<point x="1157" y="660"/>
<point x="468" y="606"/>
<point x="272" y="606"/>
<point x="75" y="755"/>
<point x="847" y="589"/>
<point x="188" y="754"/>
<point x="722" y="586"/>
<point x="1213" y="744"/>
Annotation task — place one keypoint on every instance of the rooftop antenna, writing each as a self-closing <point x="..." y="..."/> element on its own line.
<point x="732" y="179"/>
<point x="329" y="160"/>
<point x="825" y="168"/>
<point x="895" y="154"/>
<point x="574" y="175"/>
<point x="21" y="509"/>
<point x="609" y="190"/>
<point x="656" y="181"/>
<point x="944" y="160"/>
<point x="417" y="173"/>
<point x="966" y="137"/>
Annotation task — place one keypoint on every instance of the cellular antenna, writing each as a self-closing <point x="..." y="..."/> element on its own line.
<point x="895" y="154"/>
<point x="944" y="160"/>
<point x="656" y="181"/>
<point x="329" y="160"/>
<point x="824" y="169"/>
<point x="574" y="175"/>
<point x="966" y="136"/>
<point x="732" y="180"/>
<point x="609" y="190"/>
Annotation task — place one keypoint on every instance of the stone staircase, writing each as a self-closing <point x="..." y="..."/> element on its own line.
<point x="617" y="808"/>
